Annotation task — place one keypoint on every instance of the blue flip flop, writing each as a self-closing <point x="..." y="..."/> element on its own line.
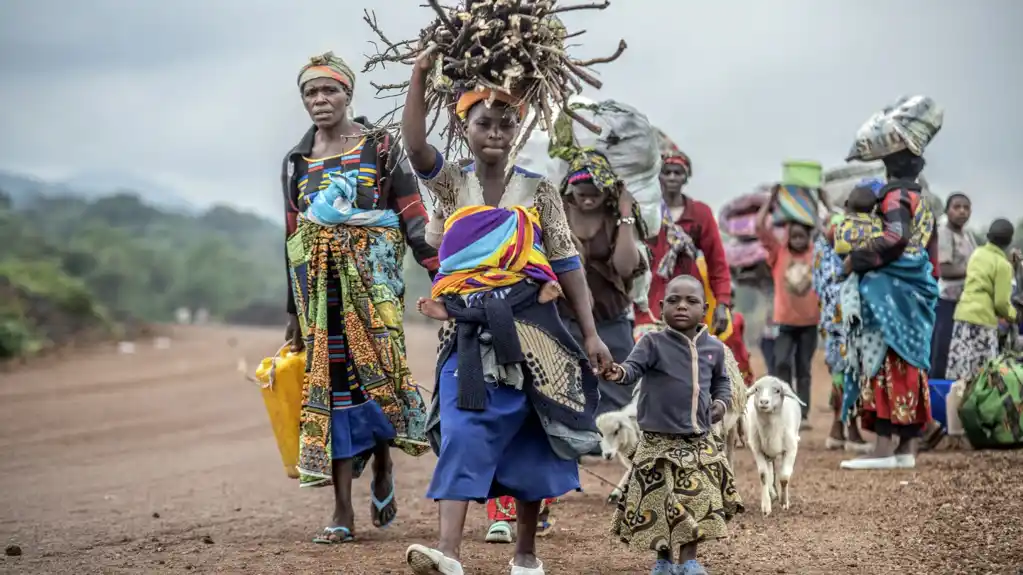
<point x="663" y="567"/>
<point x="334" y="536"/>
<point x="691" y="567"/>
<point x="379" y="506"/>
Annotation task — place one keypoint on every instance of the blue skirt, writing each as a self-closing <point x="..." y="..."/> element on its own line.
<point x="502" y="450"/>
<point x="356" y="430"/>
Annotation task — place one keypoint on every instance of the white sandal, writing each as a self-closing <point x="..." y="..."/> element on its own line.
<point x="516" y="570"/>
<point x="499" y="532"/>
<point x="425" y="561"/>
<point x="871" y="463"/>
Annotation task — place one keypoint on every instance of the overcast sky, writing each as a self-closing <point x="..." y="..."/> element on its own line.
<point x="200" y="95"/>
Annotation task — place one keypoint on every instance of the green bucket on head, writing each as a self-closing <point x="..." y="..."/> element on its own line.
<point x="802" y="173"/>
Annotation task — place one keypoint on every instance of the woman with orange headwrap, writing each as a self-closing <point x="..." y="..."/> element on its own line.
<point x="515" y="397"/>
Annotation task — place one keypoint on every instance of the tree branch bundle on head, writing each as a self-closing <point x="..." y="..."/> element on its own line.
<point x="516" y="47"/>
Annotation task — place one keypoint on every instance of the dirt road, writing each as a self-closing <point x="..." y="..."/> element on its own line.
<point x="164" y="462"/>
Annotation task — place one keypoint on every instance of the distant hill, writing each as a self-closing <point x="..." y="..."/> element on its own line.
<point x="78" y="261"/>
<point x="24" y="190"/>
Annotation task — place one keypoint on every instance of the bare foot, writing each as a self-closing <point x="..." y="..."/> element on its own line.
<point x="549" y="292"/>
<point x="432" y="309"/>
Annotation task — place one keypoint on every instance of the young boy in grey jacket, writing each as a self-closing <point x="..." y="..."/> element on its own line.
<point x="685" y="390"/>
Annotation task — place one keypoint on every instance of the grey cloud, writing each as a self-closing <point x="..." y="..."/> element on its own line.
<point x="200" y="95"/>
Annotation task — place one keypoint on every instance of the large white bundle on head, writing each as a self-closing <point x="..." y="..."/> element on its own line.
<point x="634" y="155"/>
<point x="908" y="124"/>
<point x="632" y="146"/>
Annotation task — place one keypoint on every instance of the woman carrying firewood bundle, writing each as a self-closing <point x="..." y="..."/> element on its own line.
<point x="505" y="358"/>
<point x="515" y="397"/>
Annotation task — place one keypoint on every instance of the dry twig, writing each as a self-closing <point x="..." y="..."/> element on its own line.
<point x="516" y="46"/>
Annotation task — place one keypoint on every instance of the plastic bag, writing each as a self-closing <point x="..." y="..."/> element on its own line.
<point x="630" y="143"/>
<point x="534" y="156"/>
<point x="911" y="123"/>
<point x="282" y="377"/>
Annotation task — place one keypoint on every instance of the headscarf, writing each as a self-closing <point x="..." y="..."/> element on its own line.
<point x="589" y="165"/>
<point x="327" y="65"/>
<point x="470" y="98"/>
<point x="678" y="158"/>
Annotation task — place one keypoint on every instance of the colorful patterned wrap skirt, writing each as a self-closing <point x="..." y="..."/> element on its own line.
<point x="681" y="490"/>
<point x="358" y="389"/>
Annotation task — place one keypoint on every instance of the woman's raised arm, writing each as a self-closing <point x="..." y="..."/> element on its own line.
<point x="421" y="154"/>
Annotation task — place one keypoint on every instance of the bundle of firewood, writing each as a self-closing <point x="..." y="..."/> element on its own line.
<point x="514" y="46"/>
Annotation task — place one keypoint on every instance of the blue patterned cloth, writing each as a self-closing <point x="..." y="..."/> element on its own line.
<point x="892" y="308"/>
<point x="336" y="205"/>
<point x="827" y="282"/>
<point x="900" y="300"/>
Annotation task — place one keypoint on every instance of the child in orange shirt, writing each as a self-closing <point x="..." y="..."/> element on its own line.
<point x="796" y="309"/>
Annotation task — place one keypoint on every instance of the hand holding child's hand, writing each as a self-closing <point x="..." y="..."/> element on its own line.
<point x="717" y="412"/>
<point x="614" y="372"/>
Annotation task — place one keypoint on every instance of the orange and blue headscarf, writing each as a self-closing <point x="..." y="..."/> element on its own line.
<point x="486" y="248"/>
<point x="327" y="65"/>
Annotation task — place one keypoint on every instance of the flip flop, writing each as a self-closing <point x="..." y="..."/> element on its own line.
<point x="426" y="561"/>
<point x="380" y="506"/>
<point x="499" y="532"/>
<point x="334" y="536"/>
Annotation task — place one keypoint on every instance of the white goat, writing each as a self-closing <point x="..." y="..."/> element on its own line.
<point x="772" y="416"/>
<point x="619" y="436"/>
<point x="620" y="433"/>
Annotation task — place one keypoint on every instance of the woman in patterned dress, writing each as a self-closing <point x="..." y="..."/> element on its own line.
<point x="346" y="294"/>
<point x="896" y="400"/>
<point x="827" y="282"/>
<point x="514" y="402"/>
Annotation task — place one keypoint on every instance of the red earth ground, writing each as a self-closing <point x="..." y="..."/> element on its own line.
<point x="164" y="462"/>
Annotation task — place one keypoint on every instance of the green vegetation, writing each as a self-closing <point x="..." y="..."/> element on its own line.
<point x="71" y="266"/>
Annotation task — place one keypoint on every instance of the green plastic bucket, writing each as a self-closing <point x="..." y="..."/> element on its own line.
<point x="802" y="173"/>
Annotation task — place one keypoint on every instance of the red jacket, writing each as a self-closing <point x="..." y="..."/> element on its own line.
<point x="698" y="221"/>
